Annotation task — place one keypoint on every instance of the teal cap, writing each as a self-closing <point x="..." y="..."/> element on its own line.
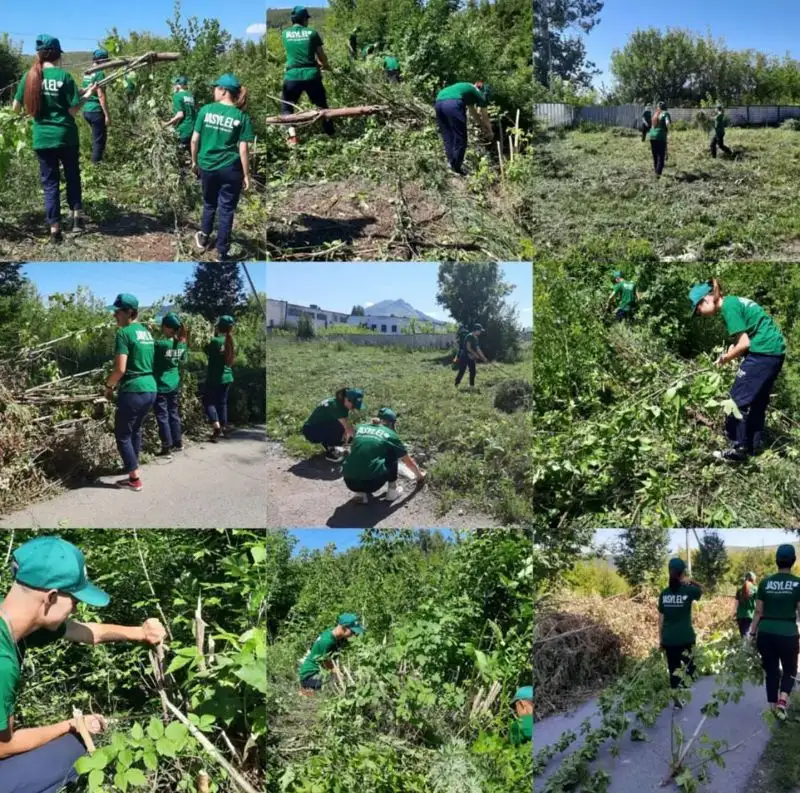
<point x="524" y="692"/>
<point x="697" y="293"/>
<point x="356" y="396"/>
<point x="387" y="414"/>
<point x="53" y="563"/>
<point x="677" y="565"/>
<point x="226" y="321"/>
<point x="181" y="80"/>
<point x="228" y="81"/>
<point x="100" y="55"/>
<point x="126" y="300"/>
<point x="785" y="553"/>
<point x="46" y="42"/>
<point x="617" y="274"/>
<point x="171" y="320"/>
<point x="349" y="620"/>
<point x="299" y="12"/>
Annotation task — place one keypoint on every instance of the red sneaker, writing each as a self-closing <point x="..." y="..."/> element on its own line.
<point x="129" y="484"/>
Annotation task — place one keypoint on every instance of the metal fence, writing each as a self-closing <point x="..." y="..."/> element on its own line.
<point x="557" y="114"/>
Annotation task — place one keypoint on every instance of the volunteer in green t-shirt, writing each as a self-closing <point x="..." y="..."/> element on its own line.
<point x="328" y="423"/>
<point x="451" y="117"/>
<point x="221" y="156"/>
<point x="328" y="643"/>
<point x="50" y="96"/>
<point x="391" y="68"/>
<point x="50" y="579"/>
<point x="375" y="453"/>
<point x="95" y="111"/>
<point x="626" y="295"/>
<point x="521" y="729"/>
<point x="184" y="110"/>
<point x="469" y="354"/>
<point x="219" y="376"/>
<point x="758" y="339"/>
<point x="170" y="353"/>
<point x="775" y="625"/>
<point x="718" y="133"/>
<point x="658" y="137"/>
<point x="646" y="122"/>
<point x="745" y="604"/>
<point x="136" y="392"/>
<point x="305" y="59"/>
<point x="675" y="623"/>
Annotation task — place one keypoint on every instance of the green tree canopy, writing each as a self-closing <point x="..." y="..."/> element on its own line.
<point x="640" y="554"/>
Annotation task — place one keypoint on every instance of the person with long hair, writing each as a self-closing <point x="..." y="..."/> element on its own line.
<point x="95" y="111"/>
<point x="134" y="353"/>
<point x="675" y="624"/>
<point x="220" y="149"/>
<point x="451" y="106"/>
<point x="759" y="341"/>
<point x="219" y="376"/>
<point x="170" y="353"/>
<point x="184" y="112"/>
<point x="775" y="626"/>
<point x="51" y="97"/>
<point x="659" y="131"/>
<point x="329" y="424"/>
<point x="745" y="604"/>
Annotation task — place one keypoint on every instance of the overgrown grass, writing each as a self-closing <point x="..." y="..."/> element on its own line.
<point x="473" y="452"/>
<point x="597" y="190"/>
<point x="778" y="769"/>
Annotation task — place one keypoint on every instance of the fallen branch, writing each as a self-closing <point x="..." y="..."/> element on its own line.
<point x="136" y="60"/>
<point x="83" y="731"/>
<point x="335" y="112"/>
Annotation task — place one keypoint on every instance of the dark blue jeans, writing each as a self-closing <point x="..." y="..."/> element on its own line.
<point x="221" y="191"/>
<point x="43" y="770"/>
<point x="315" y="89"/>
<point x="451" y="116"/>
<point x="328" y="433"/>
<point x="751" y="392"/>
<point x="97" y="121"/>
<point x="49" y="162"/>
<point x="624" y="315"/>
<point x="216" y="403"/>
<point x="373" y="485"/>
<point x="168" y="418"/>
<point x="465" y="362"/>
<point x="131" y="412"/>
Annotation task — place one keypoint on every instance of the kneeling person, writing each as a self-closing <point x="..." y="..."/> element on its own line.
<point x="328" y="423"/>
<point x="521" y="729"/>
<point x="330" y="641"/>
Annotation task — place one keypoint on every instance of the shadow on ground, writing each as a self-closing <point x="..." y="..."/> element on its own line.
<point x="365" y="516"/>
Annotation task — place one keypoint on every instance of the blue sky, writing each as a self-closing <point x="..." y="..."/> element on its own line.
<point x="338" y="287"/>
<point x="316" y="539"/>
<point x="79" y="24"/>
<point x="769" y="26"/>
<point x="147" y="280"/>
<point x="743" y="538"/>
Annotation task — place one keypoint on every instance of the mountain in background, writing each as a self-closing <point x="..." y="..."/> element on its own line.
<point x="398" y="308"/>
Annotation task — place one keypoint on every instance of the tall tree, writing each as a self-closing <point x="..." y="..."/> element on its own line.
<point x="711" y="563"/>
<point x="11" y="279"/>
<point x="640" y="554"/>
<point x="358" y="311"/>
<point x="214" y="289"/>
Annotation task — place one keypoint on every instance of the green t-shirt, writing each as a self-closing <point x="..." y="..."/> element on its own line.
<point x="647" y="117"/>
<point x="11" y="657"/>
<point x="136" y="342"/>
<point x="324" y="645"/>
<point x="746" y="601"/>
<point x="720" y="122"/>
<point x="92" y="104"/>
<point x="780" y="594"/>
<point x="301" y="44"/>
<point x="367" y="458"/>
<point x="521" y="730"/>
<point x="391" y="64"/>
<point x="743" y="315"/>
<point x="222" y="128"/>
<point x="659" y="129"/>
<point x="625" y="292"/>
<point x="329" y="409"/>
<point x="219" y="373"/>
<point x="183" y="101"/>
<point x="677" y="610"/>
<point x="55" y="126"/>
<point x="471" y="344"/>
<point x="168" y="357"/>
<point x="466" y="92"/>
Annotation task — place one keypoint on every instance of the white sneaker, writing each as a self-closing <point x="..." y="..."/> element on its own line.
<point x="361" y="498"/>
<point x="392" y="493"/>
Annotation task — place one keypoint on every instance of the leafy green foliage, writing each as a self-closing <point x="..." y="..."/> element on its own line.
<point x="640" y="555"/>
<point x="711" y="563"/>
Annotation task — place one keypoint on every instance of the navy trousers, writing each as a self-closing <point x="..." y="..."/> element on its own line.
<point x="751" y="392"/>
<point x="221" y="191"/>
<point x="659" y="151"/>
<point x="50" y="162"/>
<point x="97" y="121"/>
<point x="215" y="401"/>
<point x="718" y="140"/>
<point x="314" y="89"/>
<point x="373" y="485"/>
<point x="132" y="409"/>
<point x="451" y="116"/>
<point x="328" y="433"/>
<point x="43" y="770"/>
<point x="168" y="418"/>
<point x="465" y="362"/>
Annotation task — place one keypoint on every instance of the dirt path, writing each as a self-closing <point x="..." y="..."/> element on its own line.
<point x="311" y="493"/>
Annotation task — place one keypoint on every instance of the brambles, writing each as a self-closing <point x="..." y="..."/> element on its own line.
<point x="513" y="395"/>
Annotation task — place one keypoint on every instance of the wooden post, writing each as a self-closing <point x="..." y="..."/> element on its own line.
<point x="83" y="730"/>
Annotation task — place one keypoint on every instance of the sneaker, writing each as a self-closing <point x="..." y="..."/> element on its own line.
<point x="78" y="225"/>
<point x="215" y="436"/>
<point x="730" y="456"/>
<point x="201" y="240"/>
<point x="780" y="711"/>
<point x="178" y="448"/>
<point x="56" y="237"/>
<point x="334" y="456"/>
<point x="392" y="493"/>
<point x="361" y="498"/>
<point x="129" y="484"/>
<point x="165" y="452"/>
<point x="676" y="705"/>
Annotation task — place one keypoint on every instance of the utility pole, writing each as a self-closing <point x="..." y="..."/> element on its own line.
<point x="688" y="554"/>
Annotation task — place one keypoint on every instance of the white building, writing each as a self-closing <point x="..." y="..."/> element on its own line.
<point x="392" y="325"/>
<point x="281" y="313"/>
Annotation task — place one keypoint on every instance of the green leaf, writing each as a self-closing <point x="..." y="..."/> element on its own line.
<point x="85" y="764"/>
<point x="125" y="758"/>
<point x="254" y="675"/>
<point x="155" y="729"/>
<point x="150" y="760"/>
<point x="136" y="777"/>
<point x="176" y="732"/>
<point x="96" y="779"/>
<point x="165" y="747"/>
<point x="259" y="553"/>
<point x="177" y="663"/>
<point x="137" y="732"/>
<point x="120" y="781"/>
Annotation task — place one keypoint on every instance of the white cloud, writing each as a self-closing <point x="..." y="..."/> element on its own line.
<point x="257" y="29"/>
<point x="367" y="305"/>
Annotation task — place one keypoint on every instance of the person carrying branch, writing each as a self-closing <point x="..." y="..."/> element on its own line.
<point x="330" y="642"/>
<point x="775" y="626"/>
<point x="220" y="150"/>
<point x="469" y="353"/>
<point x="49" y="580"/>
<point x="329" y="424"/>
<point x="657" y="135"/>
<point x="745" y="604"/>
<point x="451" y="107"/>
<point x="134" y="353"/>
<point x="675" y="623"/>
<point x="184" y="112"/>
<point x="521" y="729"/>
<point x="626" y="295"/>
<point x="219" y="376"/>
<point x="50" y="96"/>
<point x="305" y="59"/>
<point x="95" y="111"/>
<point x="718" y="133"/>
<point x="646" y="122"/>
<point x="375" y="454"/>
<point x="170" y="353"/>
<point x="759" y="340"/>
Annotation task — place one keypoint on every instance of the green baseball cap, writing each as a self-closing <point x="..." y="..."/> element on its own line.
<point x="388" y="414"/>
<point x="356" y="396"/>
<point x="226" y="321"/>
<point x="677" y="565"/>
<point x="228" y="81"/>
<point x="300" y="11"/>
<point x="181" y="80"/>
<point x="100" y="55"/>
<point x="785" y="553"/>
<point x="171" y="320"/>
<point x="349" y="620"/>
<point x="697" y="293"/>
<point x="46" y="42"/>
<point x="53" y="563"/>
<point x="524" y="692"/>
<point x="126" y="300"/>
<point x="617" y="274"/>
